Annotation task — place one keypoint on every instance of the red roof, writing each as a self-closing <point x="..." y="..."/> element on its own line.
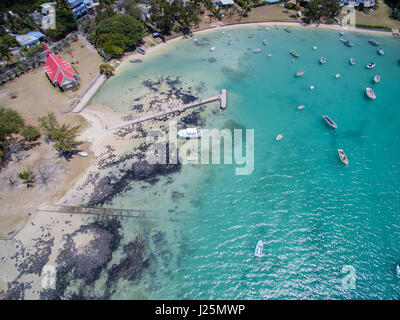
<point x="58" y="69"/>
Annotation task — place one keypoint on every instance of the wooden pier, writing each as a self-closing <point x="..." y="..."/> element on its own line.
<point x="221" y="98"/>
<point x="100" y="211"/>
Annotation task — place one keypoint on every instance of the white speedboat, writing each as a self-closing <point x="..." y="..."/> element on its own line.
<point x="190" y="133"/>
<point x="398" y="270"/>
<point x="195" y="40"/>
<point x="266" y="29"/>
<point x="300" y="73"/>
<point x="265" y="42"/>
<point x="343" y="157"/>
<point x="371" y="65"/>
<point x="279" y="137"/>
<point x="352" y="61"/>
<point x="381" y="51"/>
<point x="257" y="50"/>
<point x="322" y="60"/>
<point x="315" y="48"/>
<point x="259" y="249"/>
<point x="370" y="93"/>
<point x="301" y="107"/>
<point x="341" y="33"/>
<point x="212" y="48"/>
<point x="377" y="78"/>
<point x="337" y="75"/>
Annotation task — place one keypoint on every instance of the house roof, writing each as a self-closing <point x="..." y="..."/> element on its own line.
<point x="226" y="2"/>
<point x="25" y="39"/>
<point x="36" y="34"/>
<point x="58" y="70"/>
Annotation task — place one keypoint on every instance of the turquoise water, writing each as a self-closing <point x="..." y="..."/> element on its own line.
<point x="313" y="214"/>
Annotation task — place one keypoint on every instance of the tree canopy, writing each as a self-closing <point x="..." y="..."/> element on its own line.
<point x="318" y="9"/>
<point x="118" y="33"/>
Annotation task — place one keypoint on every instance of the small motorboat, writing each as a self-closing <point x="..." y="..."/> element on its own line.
<point x="352" y="61"/>
<point x="377" y="78"/>
<point x="381" y="51"/>
<point x="265" y="42"/>
<point x="212" y="48"/>
<point x="297" y="55"/>
<point x="287" y="30"/>
<point x="370" y="93"/>
<point x="251" y="36"/>
<point x="341" y="33"/>
<point x="374" y="42"/>
<point x="343" y="157"/>
<point x="337" y="75"/>
<point x="398" y="269"/>
<point x="371" y="65"/>
<point x="140" y="50"/>
<point x="266" y="29"/>
<point x="312" y="87"/>
<point x="300" y="73"/>
<point x="229" y="42"/>
<point x="195" y="40"/>
<point x="259" y="249"/>
<point x="190" y="133"/>
<point x="329" y="122"/>
<point x="315" y="48"/>
<point x="301" y="107"/>
<point x="136" y="60"/>
<point x="257" y="50"/>
<point x="279" y="137"/>
<point x="322" y="60"/>
<point x="348" y="43"/>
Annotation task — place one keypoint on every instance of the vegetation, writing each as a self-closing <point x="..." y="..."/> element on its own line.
<point x="27" y="177"/>
<point x="30" y="133"/>
<point x="28" y="52"/>
<point x="65" y="23"/>
<point x="64" y="136"/>
<point x="117" y="33"/>
<point x="321" y="9"/>
<point x="10" y="123"/>
<point x="106" y="69"/>
<point x="6" y="42"/>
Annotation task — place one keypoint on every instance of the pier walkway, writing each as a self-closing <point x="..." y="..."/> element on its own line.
<point x="221" y="98"/>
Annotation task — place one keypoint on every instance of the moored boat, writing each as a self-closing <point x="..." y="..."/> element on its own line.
<point x="315" y="48"/>
<point x="265" y="42"/>
<point x="322" y="60"/>
<point x="352" y="61"/>
<point x="191" y="133"/>
<point x="374" y="42"/>
<point x="337" y="75"/>
<point x="377" y="78"/>
<point x="343" y="157"/>
<point x="279" y="137"/>
<point x="398" y="269"/>
<point x="257" y="50"/>
<point x="287" y="30"/>
<point x="301" y="107"/>
<point x="140" y="50"/>
<point x="371" y="65"/>
<point x="370" y="93"/>
<point x="381" y="51"/>
<point x="259" y="249"/>
<point x="300" y="73"/>
<point x="212" y="48"/>
<point x="329" y="122"/>
<point x="136" y="60"/>
<point x="294" y="53"/>
<point x="348" y="43"/>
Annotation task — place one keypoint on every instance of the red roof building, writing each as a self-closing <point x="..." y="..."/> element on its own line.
<point x="60" y="72"/>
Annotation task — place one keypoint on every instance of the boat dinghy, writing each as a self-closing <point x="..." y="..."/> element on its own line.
<point x="322" y="60"/>
<point x="381" y="51"/>
<point x="300" y="73"/>
<point x="279" y="137"/>
<point x="343" y="157"/>
<point x="377" y="78"/>
<point x="370" y="93"/>
<point x="329" y="122"/>
<point x="352" y="61"/>
<point x="257" y="50"/>
<point x="294" y="53"/>
<point x="371" y="65"/>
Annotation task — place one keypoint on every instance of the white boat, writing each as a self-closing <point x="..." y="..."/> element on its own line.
<point x="381" y="51"/>
<point x="265" y="42"/>
<point x="83" y="154"/>
<point x="343" y="157"/>
<point x="322" y="60"/>
<point x="370" y="93"/>
<point x="398" y="270"/>
<point x="352" y="61"/>
<point x="212" y="48"/>
<point x="337" y="75"/>
<point x="191" y="133"/>
<point x="257" y="50"/>
<point x="195" y="40"/>
<point x="136" y="60"/>
<point x="259" y="249"/>
<point x="374" y="42"/>
<point x="377" y="78"/>
<point x="371" y="65"/>
<point x="301" y="107"/>
<point x="266" y="29"/>
<point x="279" y="137"/>
<point x="315" y="47"/>
<point x="341" y="33"/>
<point x="300" y="73"/>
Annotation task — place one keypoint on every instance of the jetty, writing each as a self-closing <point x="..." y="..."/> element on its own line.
<point x="221" y="98"/>
<point x="99" y="211"/>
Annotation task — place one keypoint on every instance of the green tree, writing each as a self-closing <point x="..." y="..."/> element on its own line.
<point x="64" y="136"/>
<point x="162" y="14"/>
<point x="318" y="9"/>
<point x="27" y="177"/>
<point x="30" y="133"/>
<point x="10" y="122"/>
